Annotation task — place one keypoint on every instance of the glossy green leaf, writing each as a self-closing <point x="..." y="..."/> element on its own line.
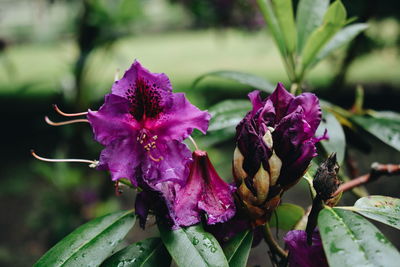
<point x="387" y="129"/>
<point x="337" y="141"/>
<point x="192" y="246"/>
<point x="309" y="16"/>
<point x="284" y="14"/>
<point x="286" y="216"/>
<point x="241" y="77"/>
<point x="228" y="113"/>
<point x="341" y="38"/>
<point x="91" y="243"/>
<point x="380" y="208"/>
<point x="149" y="252"/>
<point x="334" y="19"/>
<point x="237" y="250"/>
<point x="273" y="24"/>
<point x="351" y="240"/>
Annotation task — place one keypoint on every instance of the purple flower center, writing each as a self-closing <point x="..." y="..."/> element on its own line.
<point x="145" y="100"/>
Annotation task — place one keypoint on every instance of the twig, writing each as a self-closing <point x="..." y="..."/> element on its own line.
<point x="273" y="245"/>
<point x="377" y="170"/>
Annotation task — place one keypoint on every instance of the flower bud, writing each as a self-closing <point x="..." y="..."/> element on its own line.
<point x="275" y="144"/>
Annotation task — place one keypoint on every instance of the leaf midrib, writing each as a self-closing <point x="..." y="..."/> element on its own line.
<point x="237" y="248"/>
<point x="151" y="253"/>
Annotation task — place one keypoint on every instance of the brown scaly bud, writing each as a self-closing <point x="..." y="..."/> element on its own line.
<point x="325" y="180"/>
<point x="325" y="184"/>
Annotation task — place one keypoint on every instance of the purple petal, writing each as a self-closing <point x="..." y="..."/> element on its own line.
<point x="142" y="206"/>
<point x="292" y="171"/>
<point x="173" y="167"/>
<point x="255" y="99"/>
<point x="303" y="255"/>
<point x="149" y="93"/>
<point x="112" y="121"/>
<point x="253" y="148"/>
<point x="205" y="192"/>
<point x="178" y="122"/>
<point x="121" y="158"/>
<point x="311" y="109"/>
<point x="281" y="99"/>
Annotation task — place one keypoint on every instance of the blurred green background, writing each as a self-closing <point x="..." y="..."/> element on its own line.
<point x="67" y="52"/>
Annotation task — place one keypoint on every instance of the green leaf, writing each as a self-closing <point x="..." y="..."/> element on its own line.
<point x="350" y="240"/>
<point x="334" y="19"/>
<point x="273" y="24"/>
<point x="91" y="243"/>
<point x="149" y="252"/>
<point x="228" y="113"/>
<point x="285" y="17"/>
<point x="238" y="248"/>
<point x="286" y="216"/>
<point x="192" y="246"/>
<point x="337" y="141"/>
<point x="341" y="38"/>
<point x="241" y="77"/>
<point x="380" y="208"/>
<point x="386" y="129"/>
<point x="309" y="16"/>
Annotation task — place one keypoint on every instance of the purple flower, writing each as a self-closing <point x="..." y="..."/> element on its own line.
<point x="275" y="144"/>
<point x="205" y="192"/>
<point x="142" y="125"/>
<point x="303" y="255"/>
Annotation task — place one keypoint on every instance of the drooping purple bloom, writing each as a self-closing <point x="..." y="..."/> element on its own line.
<point x="275" y="144"/>
<point x="303" y="255"/>
<point x="204" y="193"/>
<point x="142" y="125"/>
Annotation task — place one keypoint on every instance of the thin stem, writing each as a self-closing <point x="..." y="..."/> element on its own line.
<point x="377" y="170"/>
<point x="194" y="142"/>
<point x="58" y="110"/>
<point x="272" y="243"/>
<point x="125" y="182"/>
<point x="64" y="122"/>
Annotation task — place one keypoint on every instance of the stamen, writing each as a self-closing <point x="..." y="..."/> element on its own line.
<point x="64" y="122"/>
<point x="194" y="143"/>
<point x="116" y="75"/>
<point x="153" y="158"/>
<point x="93" y="163"/>
<point x="68" y="114"/>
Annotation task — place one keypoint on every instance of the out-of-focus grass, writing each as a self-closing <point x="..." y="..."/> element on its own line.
<point x="182" y="55"/>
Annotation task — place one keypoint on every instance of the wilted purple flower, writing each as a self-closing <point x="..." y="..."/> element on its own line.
<point x="303" y="255"/>
<point x="142" y="125"/>
<point x="205" y="192"/>
<point x="275" y="144"/>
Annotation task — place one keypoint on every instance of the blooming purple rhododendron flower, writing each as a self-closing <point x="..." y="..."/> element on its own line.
<point x="142" y="125"/>
<point x="204" y="192"/>
<point x="303" y="255"/>
<point x="275" y="144"/>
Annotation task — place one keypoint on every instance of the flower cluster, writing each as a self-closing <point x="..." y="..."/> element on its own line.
<point x="275" y="144"/>
<point x="142" y="124"/>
